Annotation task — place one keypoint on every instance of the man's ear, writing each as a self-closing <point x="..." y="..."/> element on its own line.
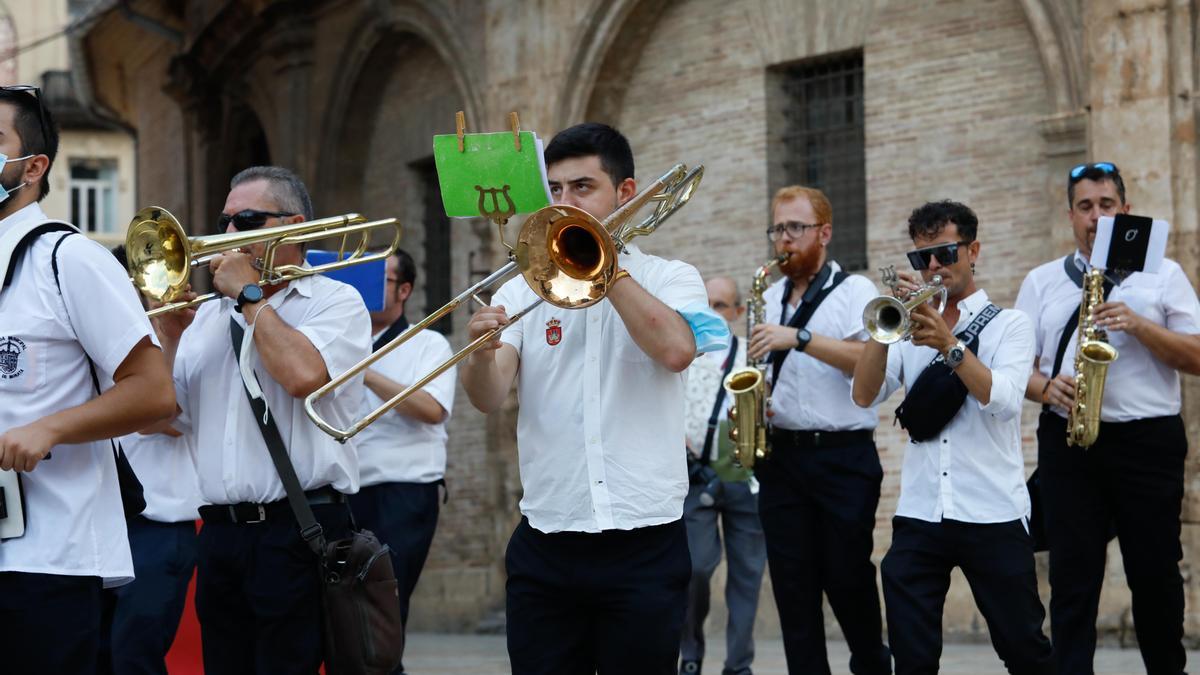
<point x="826" y="233"/>
<point x="288" y="220"/>
<point x="626" y="190"/>
<point x="35" y="168"/>
<point x="973" y="251"/>
<point x="1126" y="207"/>
<point x="741" y="311"/>
<point x="403" y="291"/>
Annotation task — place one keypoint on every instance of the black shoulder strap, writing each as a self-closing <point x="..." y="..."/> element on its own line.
<point x="19" y="250"/>
<point x="804" y="313"/>
<point x="716" y="410"/>
<point x="118" y="452"/>
<point x="310" y="529"/>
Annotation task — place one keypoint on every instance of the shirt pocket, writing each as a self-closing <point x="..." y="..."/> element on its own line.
<point x="22" y="362"/>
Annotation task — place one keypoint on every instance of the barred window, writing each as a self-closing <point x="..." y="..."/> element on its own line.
<point x="437" y="245"/>
<point x="815" y="131"/>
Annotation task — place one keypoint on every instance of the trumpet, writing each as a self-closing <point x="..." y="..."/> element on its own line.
<point x="886" y="318"/>
<point x="567" y="256"/>
<point x="161" y="256"/>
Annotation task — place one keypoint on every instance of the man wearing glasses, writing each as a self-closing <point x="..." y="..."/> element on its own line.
<point x="963" y="501"/>
<point x="258" y="593"/>
<point x="1131" y="478"/>
<point x="69" y="323"/>
<point x="820" y="484"/>
<point x="402" y="456"/>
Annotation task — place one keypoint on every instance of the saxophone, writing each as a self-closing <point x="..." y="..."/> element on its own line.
<point x="747" y="387"/>
<point x="1092" y="357"/>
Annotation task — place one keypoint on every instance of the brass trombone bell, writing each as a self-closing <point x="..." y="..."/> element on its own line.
<point x="567" y="256"/>
<point x="161" y="256"/>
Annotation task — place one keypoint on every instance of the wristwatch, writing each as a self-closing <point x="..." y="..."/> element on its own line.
<point x="956" y="354"/>
<point x="251" y="293"/>
<point x="803" y="337"/>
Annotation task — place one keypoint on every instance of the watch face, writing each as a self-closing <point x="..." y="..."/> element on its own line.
<point x="252" y="292"/>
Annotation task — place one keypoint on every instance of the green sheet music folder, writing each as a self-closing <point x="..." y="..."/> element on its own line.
<point x="488" y="163"/>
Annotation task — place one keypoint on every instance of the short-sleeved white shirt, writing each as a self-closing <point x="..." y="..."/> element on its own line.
<point x="397" y="448"/>
<point x="167" y="470"/>
<point x="973" y="471"/>
<point x="600" y="430"/>
<point x="1138" y="385"/>
<point x="810" y="394"/>
<point x="75" y="522"/>
<point x="231" y="456"/>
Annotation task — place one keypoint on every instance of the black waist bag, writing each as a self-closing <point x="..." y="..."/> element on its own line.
<point x="937" y="395"/>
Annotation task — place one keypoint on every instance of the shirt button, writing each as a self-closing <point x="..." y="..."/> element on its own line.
<point x="595" y="318"/>
<point x="944" y="473"/>
<point x="945" y="440"/>
<point x="599" y="482"/>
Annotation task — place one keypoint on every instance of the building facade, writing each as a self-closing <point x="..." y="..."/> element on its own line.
<point x="93" y="183"/>
<point x="884" y="103"/>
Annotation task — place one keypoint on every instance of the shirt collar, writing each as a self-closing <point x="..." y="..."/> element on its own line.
<point x="971" y="305"/>
<point x="30" y="212"/>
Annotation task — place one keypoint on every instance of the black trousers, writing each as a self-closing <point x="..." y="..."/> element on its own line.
<point x="610" y="602"/>
<point x="142" y="617"/>
<point x="996" y="558"/>
<point x="403" y="516"/>
<point x="258" y="595"/>
<point x="817" y="507"/>
<point x="1130" y="479"/>
<point x="49" y="624"/>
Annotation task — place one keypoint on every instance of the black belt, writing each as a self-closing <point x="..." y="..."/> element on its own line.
<point x="252" y="512"/>
<point x="820" y="439"/>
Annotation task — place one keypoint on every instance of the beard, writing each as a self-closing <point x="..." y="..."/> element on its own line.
<point x="801" y="265"/>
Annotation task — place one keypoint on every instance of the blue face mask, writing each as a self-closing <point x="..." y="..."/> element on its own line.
<point x="5" y="191"/>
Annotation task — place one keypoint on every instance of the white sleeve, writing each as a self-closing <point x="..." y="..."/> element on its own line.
<point x="862" y="292"/>
<point x="511" y="297"/>
<point x="1029" y="301"/>
<point x="438" y="351"/>
<point x="676" y="284"/>
<point x="1011" y="366"/>
<point x="101" y="303"/>
<point x="1179" y="303"/>
<point x="338" y="326"/>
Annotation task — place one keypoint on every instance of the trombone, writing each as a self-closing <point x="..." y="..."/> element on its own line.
<point x="886" y="318"/>
<point x="161" y="256"/>
<point x="567" y="256"/>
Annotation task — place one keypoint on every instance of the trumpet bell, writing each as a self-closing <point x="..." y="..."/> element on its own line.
<point x="566" y="256"/>
<point x="886" y="320"/>
<point x="156" y="248"/>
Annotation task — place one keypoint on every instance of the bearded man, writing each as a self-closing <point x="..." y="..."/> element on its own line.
<point x="820" y="484"/>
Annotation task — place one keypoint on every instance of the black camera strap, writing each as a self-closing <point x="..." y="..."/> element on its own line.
<point x="716" y="411"/>
<point x="813" y="296"/>
<point x="310" y="529"/>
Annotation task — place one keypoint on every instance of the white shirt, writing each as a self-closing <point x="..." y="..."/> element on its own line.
<point x="1138" y="385"/>
<point x="166" y="468"/>
<point x="75" y="522"/>
<point x="600" y="429"/>
<point x="973" y="471"/>
<point x="397" y="448"/>
<point x="705" y="378"/>
<point x="231" y="456"/>
<point x="810" y="394"/>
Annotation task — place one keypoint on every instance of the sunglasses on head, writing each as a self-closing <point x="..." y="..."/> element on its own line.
<point x="1106" y="168"/>
<point x="946" y="254"/>
<point x="36" y="92"/>
<point x="249" y="219"/>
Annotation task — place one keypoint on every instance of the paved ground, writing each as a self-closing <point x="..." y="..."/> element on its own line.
<point x="443" y="654"/>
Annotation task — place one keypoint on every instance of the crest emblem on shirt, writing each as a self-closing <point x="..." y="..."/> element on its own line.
<point x="10" y="357"/>
<point x="553" y="332"/>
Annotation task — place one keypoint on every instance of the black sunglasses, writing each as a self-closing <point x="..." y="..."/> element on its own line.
<point x="946" y="254"/>
<point x="249" y="219"/>
<point x="1106" y="168"/>
<point x="36" y="92"/>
